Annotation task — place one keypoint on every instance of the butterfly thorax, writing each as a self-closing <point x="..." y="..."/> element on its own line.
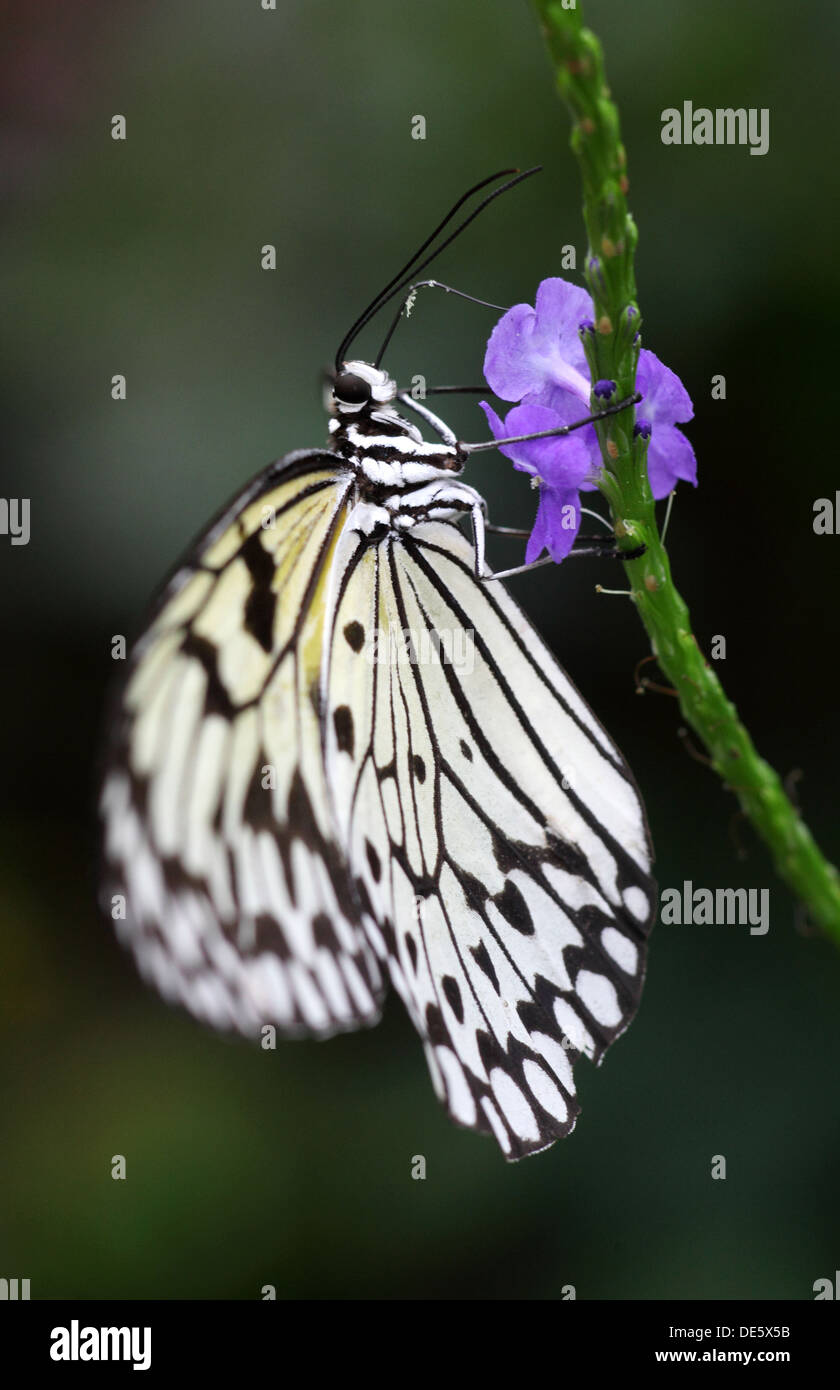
<point x="401" y="478"/>
<point x="386" y="451"/>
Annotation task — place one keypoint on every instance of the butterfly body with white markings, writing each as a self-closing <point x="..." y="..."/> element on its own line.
<point x="339" y="756"/>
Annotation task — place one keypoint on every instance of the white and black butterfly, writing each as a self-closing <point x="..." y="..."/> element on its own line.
<point x="340" y="756"/>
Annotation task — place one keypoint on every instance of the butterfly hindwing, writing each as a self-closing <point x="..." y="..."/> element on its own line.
<point x="222" y="870"/>
<point x="495" y="828"/>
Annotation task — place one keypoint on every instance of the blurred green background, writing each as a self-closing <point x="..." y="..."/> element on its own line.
<point x="293" y="127"/>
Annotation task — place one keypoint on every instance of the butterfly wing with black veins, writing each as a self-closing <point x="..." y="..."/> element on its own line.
<point x="296" y="806"/>
<point x="497" y="831"/>
<point x="222" y="871"/>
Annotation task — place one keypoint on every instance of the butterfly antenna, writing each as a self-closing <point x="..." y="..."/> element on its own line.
<point x="403" y="276"/>
<point x="372" y="307"/>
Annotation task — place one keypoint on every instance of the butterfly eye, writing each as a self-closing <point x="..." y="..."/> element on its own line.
<point x="351" y="389"/>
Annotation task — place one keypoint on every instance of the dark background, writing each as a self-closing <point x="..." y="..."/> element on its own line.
<point x="293" y="127"/>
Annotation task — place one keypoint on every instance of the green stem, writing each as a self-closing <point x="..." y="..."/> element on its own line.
<point x="612" y="351"/>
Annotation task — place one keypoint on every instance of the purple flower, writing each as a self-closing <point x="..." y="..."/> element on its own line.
<point x="535" y="356"/>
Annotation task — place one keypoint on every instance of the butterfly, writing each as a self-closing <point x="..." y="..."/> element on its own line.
<point x="339" y="757"/>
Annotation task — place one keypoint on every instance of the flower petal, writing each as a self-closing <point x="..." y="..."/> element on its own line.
<point x="538" y="539"/>
<point x="665" y="398"/>
<point x="556" y="526"/>
<point x="560" y="308"/>
<point x="670" y="459"/>
<point x="508" y="367"/>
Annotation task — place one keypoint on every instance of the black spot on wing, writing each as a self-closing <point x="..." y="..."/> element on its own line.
<point x="269" y="936"/>
<point x="514" y="908"/>
<point x="216" y="699"/>
<point x="436" y="1029"/>
<point x="567" y="856"/>
<point x="373" y="861"/>
<point x="343" y="725"/>
<point x="453" y="996"/>
<point x="466" y="750"/>
<point x="474" y="890"/>
<point x="411" y="947"/>
<point x="485" y="964"/>
<point x="323" y="933"/>
<point x="259" y="618"/>
<point x="491" y="1052"/>
<point x="419" y="767"/>
<point x="364" y="897"/>
<point x="508" y="853"/>
<point x="262" y="601"/>
<point x="355" y="635"/>
<point x="258" y="808"/>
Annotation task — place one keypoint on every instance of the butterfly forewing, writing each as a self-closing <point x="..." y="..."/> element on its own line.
<point x="222" y="870"/>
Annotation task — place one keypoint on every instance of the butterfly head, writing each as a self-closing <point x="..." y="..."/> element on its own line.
<point x="359" y="386"/>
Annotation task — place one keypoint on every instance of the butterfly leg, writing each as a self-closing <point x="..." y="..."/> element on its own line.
<point x="467" y="449"/>
<point x="517" y="531"/>
<point x="480" y="525"/>
<point x="605" y="547"/>
<point x="439" y="426"/>
<point x="602" y="546"/>
<point x="524" y="534"/>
